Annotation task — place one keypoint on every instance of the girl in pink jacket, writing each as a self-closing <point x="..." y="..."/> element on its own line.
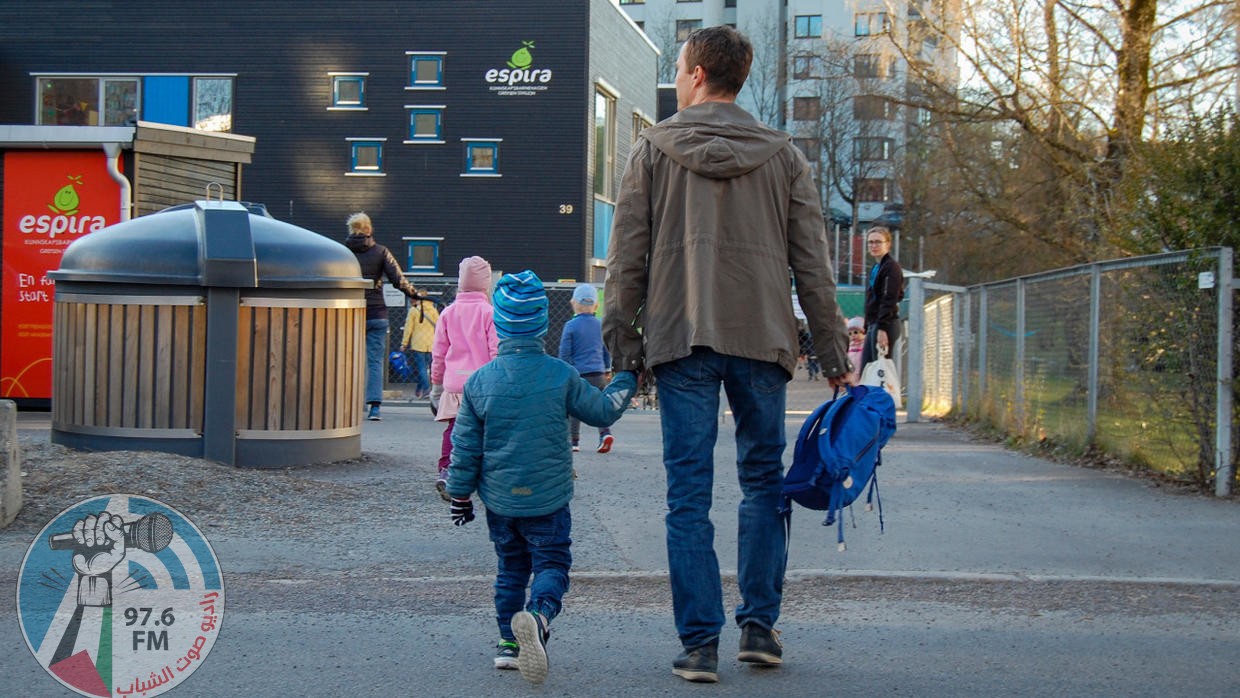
<point x="464" y="340"/>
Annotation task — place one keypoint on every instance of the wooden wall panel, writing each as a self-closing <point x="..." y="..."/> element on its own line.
<point x="129" y="365"/>
<point x="294" y="367"/>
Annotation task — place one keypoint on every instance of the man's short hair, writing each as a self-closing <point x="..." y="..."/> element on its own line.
<point x="724" y="53"/>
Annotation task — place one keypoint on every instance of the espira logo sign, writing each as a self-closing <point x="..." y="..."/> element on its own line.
<point x="64" y="218"/>
<point x="120" y="595"/>
<point x="51" y="198"/>
<point x="520" y="78"/>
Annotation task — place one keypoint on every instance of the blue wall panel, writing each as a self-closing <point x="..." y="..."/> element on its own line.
<point x="165" y="100"/>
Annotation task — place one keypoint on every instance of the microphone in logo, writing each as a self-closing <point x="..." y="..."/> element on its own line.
<point x="151" y="533"/>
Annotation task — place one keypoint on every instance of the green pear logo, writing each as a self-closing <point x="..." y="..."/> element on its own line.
<point x="66" y="201"/>
<point x="521" y="58"/>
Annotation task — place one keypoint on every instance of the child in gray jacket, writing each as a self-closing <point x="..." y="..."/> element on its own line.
<point x="510" y="445"/>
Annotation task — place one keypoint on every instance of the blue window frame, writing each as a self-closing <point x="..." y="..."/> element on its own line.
<point x="423" y="255"/>
<point x="808" y="26"/>
<point x="425" y="70"/>
<point x="348" y="90"/>
<point x="425" y="123"/>
<point x="366" y="156"/>
<point x="481" y="157"/>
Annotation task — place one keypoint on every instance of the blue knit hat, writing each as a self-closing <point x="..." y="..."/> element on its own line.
<point x="520" y="306"/>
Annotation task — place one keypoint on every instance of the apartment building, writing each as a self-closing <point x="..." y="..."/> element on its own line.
<point x="833" y="73"/>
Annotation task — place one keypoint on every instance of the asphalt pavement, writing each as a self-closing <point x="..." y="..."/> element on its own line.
<point x="996" y="574"/>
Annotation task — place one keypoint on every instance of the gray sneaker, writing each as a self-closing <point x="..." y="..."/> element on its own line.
<point x="699" y="664"/>
<point x="532" y="634"/>
<point x="760" y="646"/>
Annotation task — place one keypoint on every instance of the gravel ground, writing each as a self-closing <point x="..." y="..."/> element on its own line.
<point x="222" y="496"/>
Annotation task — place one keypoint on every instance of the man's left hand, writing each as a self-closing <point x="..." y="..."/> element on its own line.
<point x="841" y="381"/>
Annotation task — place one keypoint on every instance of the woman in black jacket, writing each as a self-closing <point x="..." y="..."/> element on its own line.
<point x="884" y="289"/>
<point x="377" y="264"/>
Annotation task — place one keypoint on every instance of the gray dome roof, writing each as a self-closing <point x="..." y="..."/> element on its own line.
<point x="216" y="243"/>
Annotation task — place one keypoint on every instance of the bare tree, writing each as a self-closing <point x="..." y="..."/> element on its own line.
<point x="1069" y="88"/>
<point x="662" y="33"/>
<point x="765" y="89"/>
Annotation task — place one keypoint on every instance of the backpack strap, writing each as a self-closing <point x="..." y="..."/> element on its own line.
<point x="835" y="514"/>
<point x="873" y="492"/>
<point x="785" y="513"/>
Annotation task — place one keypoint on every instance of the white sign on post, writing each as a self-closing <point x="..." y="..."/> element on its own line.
<point x="393" y="297"/>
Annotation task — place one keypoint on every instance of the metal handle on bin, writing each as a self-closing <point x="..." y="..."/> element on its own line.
<point x="218" y="186"/>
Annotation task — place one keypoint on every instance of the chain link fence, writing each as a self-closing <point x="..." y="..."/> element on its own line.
<point x="804" y="393"/>
<point x="1133" y="357"/>
<point x="442" y="291"/>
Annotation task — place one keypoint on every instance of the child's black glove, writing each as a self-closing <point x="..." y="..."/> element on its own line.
<point x="462" y="510"/>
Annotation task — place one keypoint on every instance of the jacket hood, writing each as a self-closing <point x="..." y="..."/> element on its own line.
<point x="359" y="243"/>
<point x="716" y="139"/>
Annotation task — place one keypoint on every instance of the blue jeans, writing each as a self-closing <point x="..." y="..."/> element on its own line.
<point x="376" y="359"/>
<point x="537" y="545"/>
<point x="688" y="407"/>
<point x="421" y="371"/>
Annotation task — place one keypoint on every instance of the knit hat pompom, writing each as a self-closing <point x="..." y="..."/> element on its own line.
<point x="520" y="304"/>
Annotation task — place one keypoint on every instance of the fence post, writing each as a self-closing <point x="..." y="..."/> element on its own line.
<point x="1223" y="471"/>
<point x="1095" y="332"/>
<point x="916" y="346"/>
<point x="1018" y="389"/>
<point x="964" y="342"/>
<point x="982" y="322"/>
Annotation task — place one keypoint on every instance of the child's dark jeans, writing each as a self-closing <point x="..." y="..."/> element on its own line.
<point x="525" y="545"/>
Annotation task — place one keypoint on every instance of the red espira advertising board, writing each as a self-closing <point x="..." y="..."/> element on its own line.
<point x="51" y="198"/>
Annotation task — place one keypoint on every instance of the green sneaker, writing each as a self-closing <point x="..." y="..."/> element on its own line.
<point x="506" y="654"/>
<point x="531" y="631"/>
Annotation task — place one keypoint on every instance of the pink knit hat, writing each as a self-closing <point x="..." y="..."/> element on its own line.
<point x="474" y="274"/>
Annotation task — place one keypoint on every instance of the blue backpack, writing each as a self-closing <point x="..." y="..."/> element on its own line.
<point x="837" y="454"/>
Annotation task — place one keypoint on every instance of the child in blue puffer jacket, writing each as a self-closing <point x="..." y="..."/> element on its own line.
<point x="510" y="444"/>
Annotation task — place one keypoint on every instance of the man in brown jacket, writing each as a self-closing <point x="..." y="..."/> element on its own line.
<point x="714" y="210"/>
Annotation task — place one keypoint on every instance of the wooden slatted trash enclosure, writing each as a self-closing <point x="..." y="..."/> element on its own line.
<point x="210" y="330"/>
